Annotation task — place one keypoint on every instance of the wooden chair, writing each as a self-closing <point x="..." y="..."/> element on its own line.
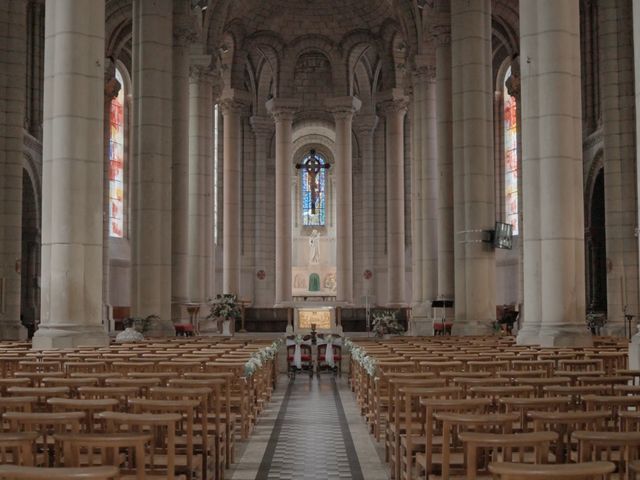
<point x="90" y="450"/>
<point x="162" y="427"/>
<point x="45" y="424"/>
<point x="14" y="472"/>
<point x="523" y="405"/>
<point x="90" y="408"/>
<point x="564" y="424"/>
<point x="621" y="448"/>
<point x="17" y="448"/>
<point x="574" y="471"/>
<point x="505" y="446"/>
<point x="121" y="394"/>
<point x="453" y="424"/>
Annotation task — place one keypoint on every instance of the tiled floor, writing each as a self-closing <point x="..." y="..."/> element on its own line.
<point x="311" y="430"/>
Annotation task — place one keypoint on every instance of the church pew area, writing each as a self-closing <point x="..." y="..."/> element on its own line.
<point x="172" y="409"/>
<point x="483" y="407"/>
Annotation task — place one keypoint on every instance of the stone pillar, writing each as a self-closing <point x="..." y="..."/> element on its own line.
<point x="394" y="111"/>
<point x="473" y="169"/>
<point x="200" y="159"/>
<point x="554" y="283"/>
<point x="445" y="163"/>
<point x="616" y="74"/>
<point x="13" y="16"/>
<point x="283" y="111"/>
<point x="343" y="109"/>
<point x="72" y="176"/>
<point x="636" y="66"/>
<point x="425" y="197"/>
<point x="264" y="242"/>
<point x="365" y="126"/>
<point x="232" y="195"/>
<point x="152" y="138"/>
<point x="182" y="35"/>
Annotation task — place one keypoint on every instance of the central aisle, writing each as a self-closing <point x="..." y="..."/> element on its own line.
<point x="312" y="431"/>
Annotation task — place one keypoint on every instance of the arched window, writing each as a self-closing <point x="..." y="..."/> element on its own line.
<point x="116" y="161"/>
<point x="313" y="179"/>
<point x="510" y="156"/>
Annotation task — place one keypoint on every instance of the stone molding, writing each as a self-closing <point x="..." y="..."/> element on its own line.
<point x="283" y="109"/>
<point x="395" y="106"/>
<point x="365" y="124"/>
<point x="441" y="34"/>
<point x="343" y="108"/>
<point x="262" y="125"/>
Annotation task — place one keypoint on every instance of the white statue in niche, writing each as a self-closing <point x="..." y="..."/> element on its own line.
<point x="314" y="247"/>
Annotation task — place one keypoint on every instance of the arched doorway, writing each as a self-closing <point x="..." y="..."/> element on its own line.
<point x="597" y="249"/>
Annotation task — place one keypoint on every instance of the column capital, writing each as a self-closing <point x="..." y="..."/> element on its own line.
<point x="283" y="109"/>
<point x="234" y="101"/>
<point x="111" y="84"/>
<point x="441" y="34"/>
<point x="261" y="125"/>
<point x="365" y="124"/>
<point x="392" y="102"/>
<point x="424" y="73"/>
<point x="184" y="33"/>
<point x="343" y="107"/>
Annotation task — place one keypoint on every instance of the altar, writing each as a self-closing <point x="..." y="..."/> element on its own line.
<point x="323" y="317"/>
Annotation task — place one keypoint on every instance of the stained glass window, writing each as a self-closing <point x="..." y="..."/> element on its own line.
<point x="313" y="192"/>
<point x="511" y="157"/>
<point x="116" y="163"/>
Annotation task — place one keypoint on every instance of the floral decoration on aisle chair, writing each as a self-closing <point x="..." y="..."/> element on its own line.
<point x="385" y="323"/>
<point x="225" y="308"/>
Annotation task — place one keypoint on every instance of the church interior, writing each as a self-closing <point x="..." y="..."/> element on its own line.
<point x="330" y="239"/>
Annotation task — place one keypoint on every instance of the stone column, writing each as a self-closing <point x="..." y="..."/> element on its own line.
<point x="232" y="195"/>
<point x="473" y="169"/>
<point x="152" y="138"/>
<point x="264" y="242"/>
<point x="182" y="35"/>
<point x="343" y="109"/>
<point x="554" y="288"/>
<point x="72" y="176"/>
<point x="445" y="163"/>
<point x="636" y="65"/>
<point x="394" y="111"/>
<point x="13" y="16"/>
<point x="616" y="75"/>
<point x="283" y="111"/>
<point x="200" y="159"/>
<point x="365" y="126"/>
<point x="425" y="197"/>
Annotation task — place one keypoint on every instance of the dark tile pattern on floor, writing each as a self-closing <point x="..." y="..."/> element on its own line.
<point x="311" y="438"/>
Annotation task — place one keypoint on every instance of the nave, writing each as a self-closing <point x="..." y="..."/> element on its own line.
<point x="312" y="430"/>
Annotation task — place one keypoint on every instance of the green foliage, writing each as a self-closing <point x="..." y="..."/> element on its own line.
<point x="386" y="323"/>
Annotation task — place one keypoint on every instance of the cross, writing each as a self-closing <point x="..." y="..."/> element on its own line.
<point x="313" y="165"/>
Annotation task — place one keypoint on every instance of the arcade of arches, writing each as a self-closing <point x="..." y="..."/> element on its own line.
<point x="148" y="154"/>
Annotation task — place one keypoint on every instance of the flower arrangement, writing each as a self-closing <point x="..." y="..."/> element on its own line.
<point x="224" y="306"/>
<point x="359" y="355"/>
<point x="595" y="322"/>
<point x="386" y="323"/>
<point x="259" y="358"/>
<point x="140" y="324"/>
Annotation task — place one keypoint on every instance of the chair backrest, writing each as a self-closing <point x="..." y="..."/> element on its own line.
<point x="620" y="448"/>
<point x="14" y="472"/>
<point x="574" y="471"/>
<point x="17" y="448"/>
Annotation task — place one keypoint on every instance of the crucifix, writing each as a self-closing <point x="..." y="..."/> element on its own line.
<point x="313" y="165"/>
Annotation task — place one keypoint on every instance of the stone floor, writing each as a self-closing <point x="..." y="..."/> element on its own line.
<point x="311" y="430"/>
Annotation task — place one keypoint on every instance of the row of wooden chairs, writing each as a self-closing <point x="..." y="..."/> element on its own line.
<point x="457" y="405"/>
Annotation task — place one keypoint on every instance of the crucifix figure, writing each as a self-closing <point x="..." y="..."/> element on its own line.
<point x="313" y="165"/>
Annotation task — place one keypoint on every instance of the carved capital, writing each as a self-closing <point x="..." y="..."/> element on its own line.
<point x="201" y="73"/>
<point x="283" y="109"/>
<point x="261" y="125"/>
<point x="441" y="35"/>
<point x="343" y="108"/>
<point x="513" y="82"/>
<point x="424" y="73"/>
<point x="365" y="124"/>
<point x="231" y="106"/>
<point x="393" y="107"/>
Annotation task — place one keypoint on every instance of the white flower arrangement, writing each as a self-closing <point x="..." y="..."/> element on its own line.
<point x="386" y="323"/>
<point x="360" y="356"/>
<point x="262" y="356"/>
<point x="224" y="306"/>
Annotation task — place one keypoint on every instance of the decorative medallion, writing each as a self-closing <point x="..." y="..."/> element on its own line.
<point x="261" y="274"/>
<point x="367" y="274"/>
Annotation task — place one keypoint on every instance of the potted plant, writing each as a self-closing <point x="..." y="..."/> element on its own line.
<point x="385" y="324"/>
<point x="225" y="307"/>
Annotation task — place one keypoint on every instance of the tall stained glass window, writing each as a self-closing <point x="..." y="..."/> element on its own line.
<point x="116" y="163"/>
<point x="313" y="181"/>
<point x="511" y="157"/>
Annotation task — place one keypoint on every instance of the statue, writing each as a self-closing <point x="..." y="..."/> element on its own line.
<point x="314" y="247"/>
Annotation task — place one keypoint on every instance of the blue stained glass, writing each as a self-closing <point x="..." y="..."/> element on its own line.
<point x="313" y="195"/>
